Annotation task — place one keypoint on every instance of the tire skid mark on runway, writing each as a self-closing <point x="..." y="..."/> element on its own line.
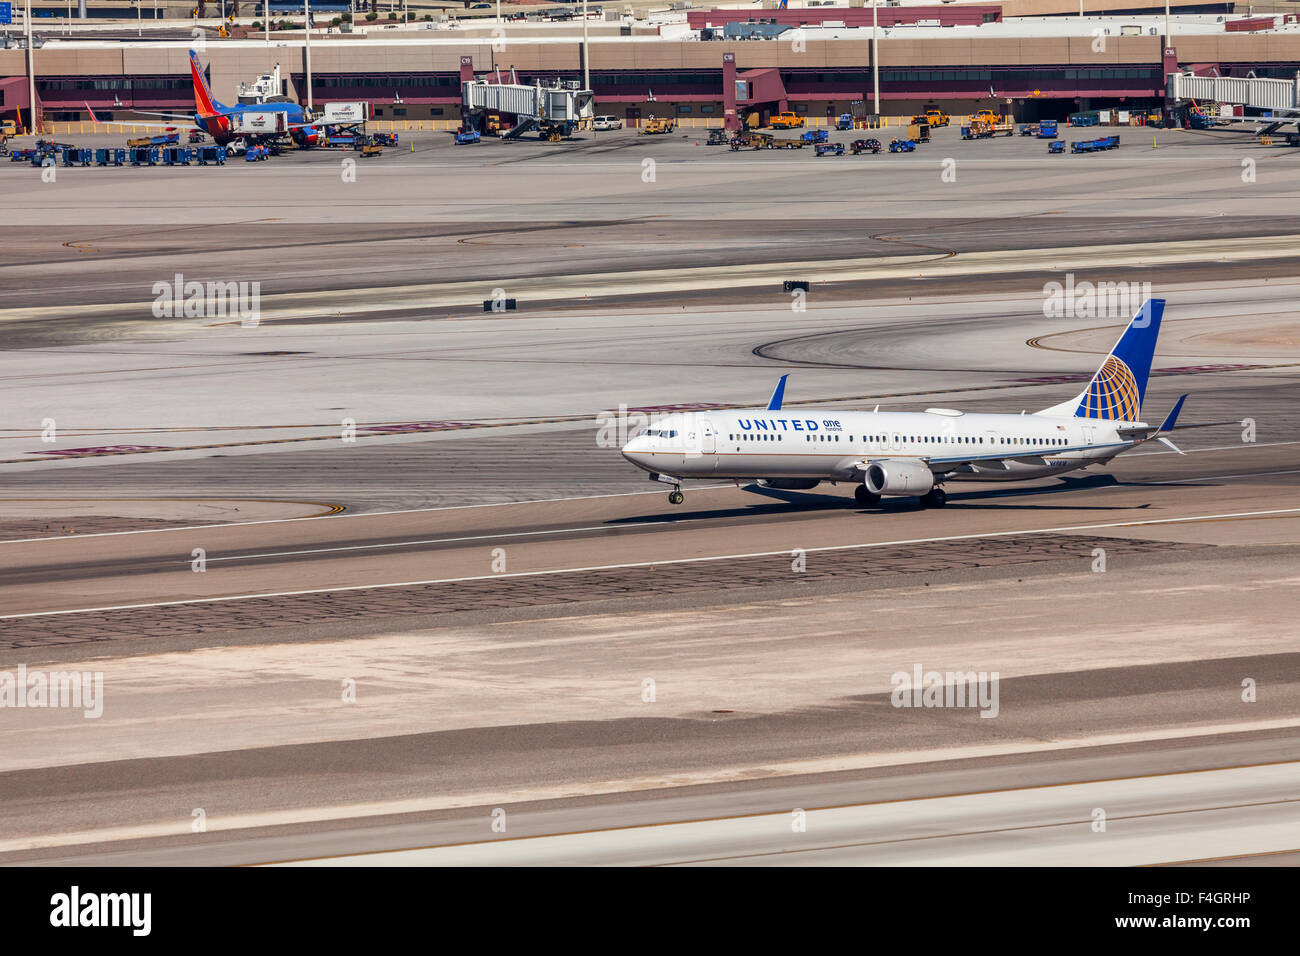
<point x="944" y="252"/>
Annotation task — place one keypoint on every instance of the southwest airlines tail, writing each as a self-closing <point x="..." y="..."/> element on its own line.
<point x="1116" y="391"/>
<point x="204" y="104"/>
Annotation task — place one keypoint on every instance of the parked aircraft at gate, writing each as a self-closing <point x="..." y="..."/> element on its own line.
<point x="915" y="453"/>
<point x="219" y="120"/>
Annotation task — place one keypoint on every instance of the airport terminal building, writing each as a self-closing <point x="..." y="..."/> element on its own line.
<point x="1026" y="57"/>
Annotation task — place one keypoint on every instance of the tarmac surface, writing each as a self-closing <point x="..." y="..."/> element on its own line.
<point x="473" y="603"/>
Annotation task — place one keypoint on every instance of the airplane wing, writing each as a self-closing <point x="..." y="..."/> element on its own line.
<point x="171" y="126"/>
<point x="180" y="116"/>
<point x="948" y="463"/>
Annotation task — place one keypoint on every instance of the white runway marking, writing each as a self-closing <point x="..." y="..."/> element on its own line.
<point x="538" y="501"/>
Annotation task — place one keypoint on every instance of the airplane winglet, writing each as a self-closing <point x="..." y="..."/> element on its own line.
<point x="1172" y="417"/>
<point x="778" y="395"/>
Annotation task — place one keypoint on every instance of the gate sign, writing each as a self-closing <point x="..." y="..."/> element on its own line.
<point x="6" y="13"/>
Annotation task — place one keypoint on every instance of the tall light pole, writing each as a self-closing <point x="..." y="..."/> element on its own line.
<point x="1166" y="24"/>
<point x="307" y="33"/>
<point x="31" y="72"/>
<point x="586" y="50"/>
<point x="875" y="61"/>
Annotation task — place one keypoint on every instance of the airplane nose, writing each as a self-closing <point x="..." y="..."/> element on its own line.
<point x="635" y="451"/>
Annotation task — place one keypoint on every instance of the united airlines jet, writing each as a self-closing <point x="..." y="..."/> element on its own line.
<point x="914" y="453"/>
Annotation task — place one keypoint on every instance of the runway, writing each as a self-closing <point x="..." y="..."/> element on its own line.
<point x="442" y="555"/>
<point x="1224" y="812"/>
<point x="360" y="576"/>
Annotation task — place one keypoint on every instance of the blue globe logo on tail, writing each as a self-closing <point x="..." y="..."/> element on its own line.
<point x="1113" y="393"/>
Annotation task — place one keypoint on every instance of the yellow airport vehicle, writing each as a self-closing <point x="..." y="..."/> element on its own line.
<point x="937" y="117"/>
<point x="8" y="128"/>
<point x="655" y="126"/>
<point x="986" y="116"/>
<point x="786" y="120"/>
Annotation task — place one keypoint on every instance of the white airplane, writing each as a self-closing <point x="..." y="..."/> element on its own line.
<point x="914" y="453"/>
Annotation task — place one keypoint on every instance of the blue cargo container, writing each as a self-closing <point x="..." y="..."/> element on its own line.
<point x="208" y="155"/>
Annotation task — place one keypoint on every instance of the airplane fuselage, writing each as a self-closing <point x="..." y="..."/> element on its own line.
<point x="831" y="445"/>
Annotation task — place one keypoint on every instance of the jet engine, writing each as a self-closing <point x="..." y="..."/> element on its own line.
<point x="789" y="484"/>
<point x="898" y="477"/>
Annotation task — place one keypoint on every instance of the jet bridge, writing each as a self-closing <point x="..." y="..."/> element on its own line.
<point x="559" y="106"/>
<point x="1264" y="94"/>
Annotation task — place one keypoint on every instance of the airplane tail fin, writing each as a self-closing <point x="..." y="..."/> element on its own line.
<point x="1116" y="391"/>
<point x="204" y="103"/>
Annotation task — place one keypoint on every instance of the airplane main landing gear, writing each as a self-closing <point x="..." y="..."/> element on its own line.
<point x="934" y="498"/>
<point x="675" y="497"/>
<point x="864" y="497"/>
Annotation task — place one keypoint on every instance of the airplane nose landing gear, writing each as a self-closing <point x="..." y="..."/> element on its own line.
<point x="675" y="497"/>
